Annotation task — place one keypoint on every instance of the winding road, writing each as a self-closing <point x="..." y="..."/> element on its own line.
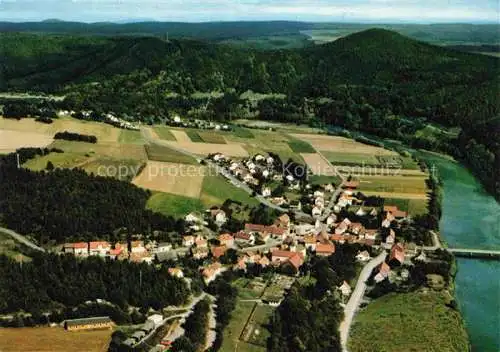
<point x="21" y="238"/>
<point x="356" y="297"/>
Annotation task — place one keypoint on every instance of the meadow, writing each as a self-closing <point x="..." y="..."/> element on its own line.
<point x="415" y="321"/>
<point x="173" y="205"/>
<point x="164" y="133"/>
<point x="216" y="190"/>
<point x="162" y="153"/>
<point x="54" y="339"/>
<point x="232" y="333"/>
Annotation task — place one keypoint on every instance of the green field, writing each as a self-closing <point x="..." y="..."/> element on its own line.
<point x="121" y="169"/>
<point x="115" y="150"/>
<point x="164" y="133"/>
<point x="396" y="184"/>
<point x="415" y="321"/>
<point x="299" y="146"/>
<point x="216" y="190"/>
<point x="194" y="136"/>
<point x="162" y="153"/>
<point x="11" y="248"/>
<point x="173" y="205"/>
<point x="242" y="132"/>
<point x="232" y="333"/>
<point x="211" y="137"/>
<point x="322" y="180"/>
<point x="130" y="137"/>
<point x="62" y="160"/>
<point x="413" y="206"/>
<point x="260" y="319"/>
<point x="337" y="158"/>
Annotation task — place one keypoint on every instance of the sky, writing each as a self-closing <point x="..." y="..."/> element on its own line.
<point x="388" y="11"/>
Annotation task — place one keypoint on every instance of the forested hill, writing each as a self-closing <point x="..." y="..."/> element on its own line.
<point x="377" y="81"/>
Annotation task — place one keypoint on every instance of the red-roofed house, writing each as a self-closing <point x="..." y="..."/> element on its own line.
<point x="218" y="252"/>
<point x="325" y="249"/>
<point x="99" y="248"/>
<point x="211" y="271"/>
<point x="176" y="272"/>
<point x="294" y="259"/>
<point x="383" y="272"/>
<point x="242" y="236"/>
<point x="398" y="214"/>
<point x="397" y="256"/>
<point x="78" y="248"/>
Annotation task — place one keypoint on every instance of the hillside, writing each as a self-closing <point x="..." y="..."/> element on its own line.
<point x="377" y="81"/>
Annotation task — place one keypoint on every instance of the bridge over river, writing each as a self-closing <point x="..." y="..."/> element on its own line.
<point x="475" y="253"/>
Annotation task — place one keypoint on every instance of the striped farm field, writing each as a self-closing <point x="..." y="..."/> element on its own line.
<point x="212" y="137"/>
<point x="164" y="133"/>
<point x="317" y="164"/>
<point x="341" y="145"/>
<point x="394" y="185"/>
<point x="180" y="136"/>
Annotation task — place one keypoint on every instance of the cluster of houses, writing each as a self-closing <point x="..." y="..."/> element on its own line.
<point x="176" y="121"/>
<point x="258" y="172"/>
<point x="135" y="252"/>
<point x="109" y="118"/>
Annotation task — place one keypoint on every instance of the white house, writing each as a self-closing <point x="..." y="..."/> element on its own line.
<point x="345" y="289"/>
<point x="316" y="211"/>
<point x="188" y="241"/>
<point x="163" y="247"/>
<point x="363" y="256"/>
<point x="266" y="192"/>
<point x="156" y="319"/>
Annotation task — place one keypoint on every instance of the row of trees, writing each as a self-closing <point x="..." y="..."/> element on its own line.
<point x="195" y="329"/>
<point x="71" y="136"/>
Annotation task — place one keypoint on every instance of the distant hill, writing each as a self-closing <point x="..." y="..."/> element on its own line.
<point x="365" y="80"/>
<point x="252" y="32"/>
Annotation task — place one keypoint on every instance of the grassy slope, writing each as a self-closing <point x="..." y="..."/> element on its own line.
<point x="413" y="321"/>
<point x="164" y="133"/>
<point x="216" y="190"/>
<point x="165" y="154"/>
<point x="174" y="205"/>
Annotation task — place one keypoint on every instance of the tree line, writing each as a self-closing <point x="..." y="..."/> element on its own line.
<point x="70" y="205"/>
<point x="71" y="136"/>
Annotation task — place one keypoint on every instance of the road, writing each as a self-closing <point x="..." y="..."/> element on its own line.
<point x="179" y="331"/>
<point x="356" y="297"/>
<point x="335" y="194"/>
<point x="437" y="242"/>
<point x="21" y="238"/>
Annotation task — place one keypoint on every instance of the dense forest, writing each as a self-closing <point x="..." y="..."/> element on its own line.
<point x="51" y="282"/>
<point x="70" y="205"/>
<point x="309" y="317"/>
<point x="376" y="81"/>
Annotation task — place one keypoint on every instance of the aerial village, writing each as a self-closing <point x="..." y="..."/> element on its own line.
<point x="339" y="214"/>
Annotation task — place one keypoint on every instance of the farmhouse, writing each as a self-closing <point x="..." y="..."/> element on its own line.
<point x="88" y="324"/>
<point x="99" y="248"/>
<point x="218" y="252"/>
<point x="383" y="272"/>
<point x="288" y="258"/>
<point x="325" y="249"/>
<point x="211" y="271"/>
<point x="397" y="256"/>
<point x="78" y="249"/>
<point x="394" y="211"/>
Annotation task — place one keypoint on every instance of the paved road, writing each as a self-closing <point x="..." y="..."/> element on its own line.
<point x="179" y="331"/>
<point x="335" y="194"/>
<point x="437" y="242"/>
<point x="21" y="238"/>
<point x="356" y="297"/>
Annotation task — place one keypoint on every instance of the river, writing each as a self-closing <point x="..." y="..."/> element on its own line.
<point x="471" y="219"/>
